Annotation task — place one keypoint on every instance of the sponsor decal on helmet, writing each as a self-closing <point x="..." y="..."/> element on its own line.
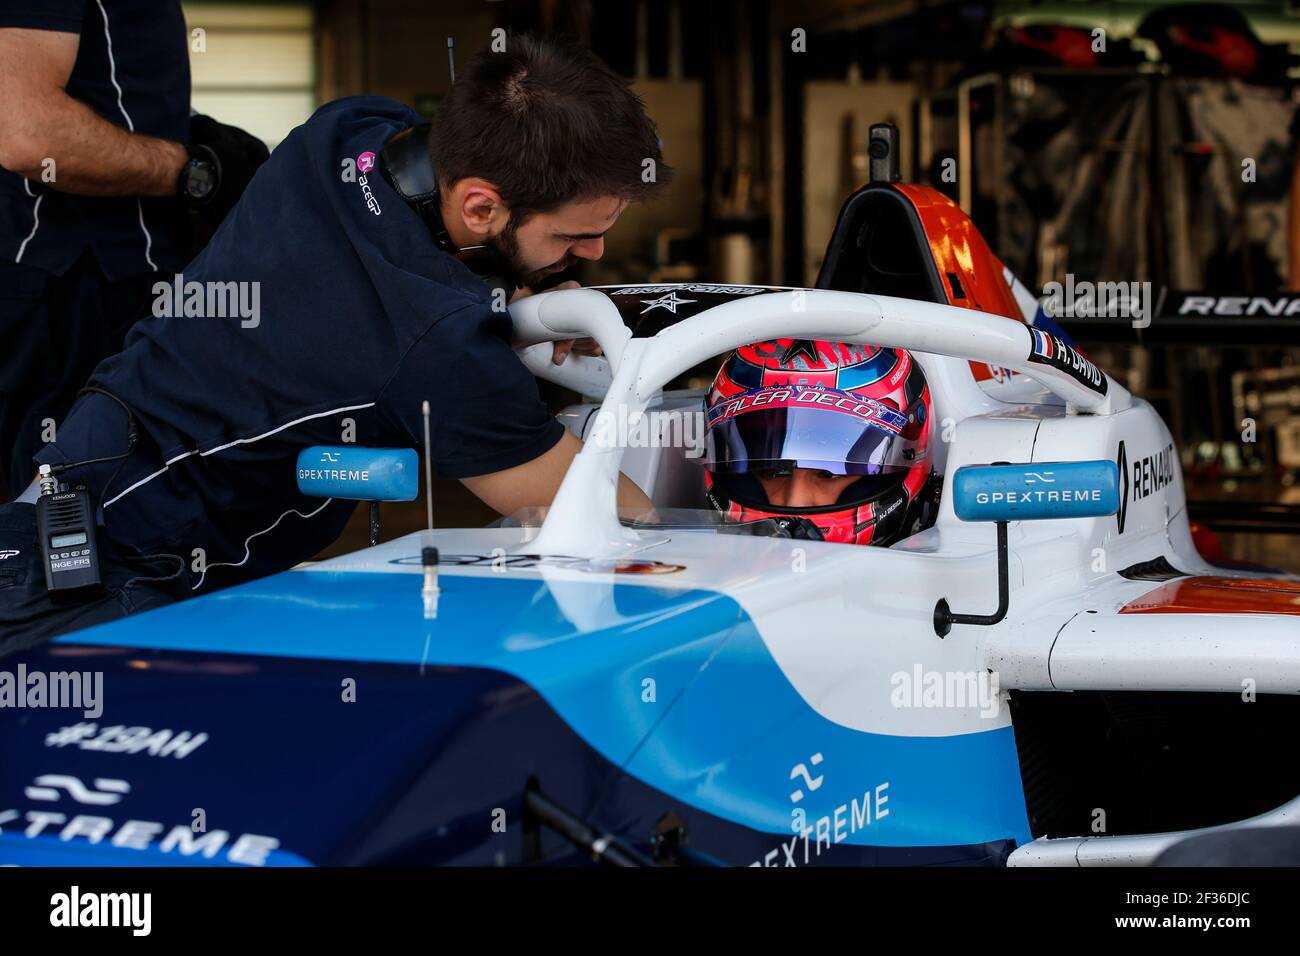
<point x="867" y="410"/>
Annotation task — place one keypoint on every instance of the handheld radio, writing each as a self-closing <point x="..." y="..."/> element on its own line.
<point x="66" y="521"/>
<point x="65" y="533"/>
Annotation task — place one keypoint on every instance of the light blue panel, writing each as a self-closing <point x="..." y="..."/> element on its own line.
<point x="1049" y="489"/>
<point x="359" y="474"/>
<point x="733" y="742"/>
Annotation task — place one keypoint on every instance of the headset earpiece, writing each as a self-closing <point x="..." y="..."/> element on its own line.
<point x="409" y="169"/>
<point x="406" y="162"/>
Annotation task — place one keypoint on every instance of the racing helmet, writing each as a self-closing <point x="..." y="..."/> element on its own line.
<point x="841" y="408"/>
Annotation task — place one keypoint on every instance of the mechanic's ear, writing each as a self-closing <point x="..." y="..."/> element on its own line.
<point x="480" y="207"/>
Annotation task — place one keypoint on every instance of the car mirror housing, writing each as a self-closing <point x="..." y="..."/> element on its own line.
<point x="1004" y="492"/>
<point x="359" y="474"/>
<point x="1036" y="490"/>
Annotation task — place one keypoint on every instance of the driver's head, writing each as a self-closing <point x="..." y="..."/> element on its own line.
<point x="831" y="433"/>
<point x="539" y="148"/>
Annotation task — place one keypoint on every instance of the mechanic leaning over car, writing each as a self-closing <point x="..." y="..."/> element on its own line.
<point x="354" y="309"/>
<point x="829" y="440"/>
<point x="94" y="126"/>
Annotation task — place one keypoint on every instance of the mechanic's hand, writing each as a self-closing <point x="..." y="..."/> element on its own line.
<point x="237" y="153"/>
<point x="564" y="347"/>
<point x="582" y="346"/>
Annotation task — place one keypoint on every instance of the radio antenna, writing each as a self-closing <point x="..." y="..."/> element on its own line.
<point x="428" y="553"/>
<point x="451" y="57"/>
<point x="428" y="467"/>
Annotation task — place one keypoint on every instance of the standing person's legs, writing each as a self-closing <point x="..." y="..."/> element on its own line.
<point x="74" y="322"/>
<point x="23" y="309"/>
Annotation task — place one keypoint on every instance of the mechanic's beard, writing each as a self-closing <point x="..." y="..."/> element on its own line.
<point x="507" y="245"/>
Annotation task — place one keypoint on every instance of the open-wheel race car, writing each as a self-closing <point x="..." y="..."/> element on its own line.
<point x="1049" y="673"/>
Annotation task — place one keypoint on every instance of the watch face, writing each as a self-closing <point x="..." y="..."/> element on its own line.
<point x="200" y="179"/>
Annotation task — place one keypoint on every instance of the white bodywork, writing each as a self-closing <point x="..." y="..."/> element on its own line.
<point x="1138" y="850"/>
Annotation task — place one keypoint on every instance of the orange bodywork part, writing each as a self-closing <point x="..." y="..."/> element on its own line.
<point x="1215" y="595"/>
<point x="1207" y="543"/>
<point x="959" y="250"/>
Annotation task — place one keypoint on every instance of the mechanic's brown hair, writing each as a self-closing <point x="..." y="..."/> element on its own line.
<point x="546" y="122"/>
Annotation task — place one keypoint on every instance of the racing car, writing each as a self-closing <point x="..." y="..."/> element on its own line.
<point x="1049" y="674"/>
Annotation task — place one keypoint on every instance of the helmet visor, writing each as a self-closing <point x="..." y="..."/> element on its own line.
<point x="802" y="427"/>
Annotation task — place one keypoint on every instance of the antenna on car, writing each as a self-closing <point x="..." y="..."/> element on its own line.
<point x="451" y="57"/>
<point x="429" y="554"/>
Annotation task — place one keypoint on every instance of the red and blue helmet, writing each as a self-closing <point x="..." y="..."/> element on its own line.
<point x="832" y="406"/>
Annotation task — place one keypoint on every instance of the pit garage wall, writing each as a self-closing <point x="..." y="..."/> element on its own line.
<point x="253" y="65"/>
<point x="837" y="117"/>
<point x="397" y="48"/>
<point x="677" y="108"/>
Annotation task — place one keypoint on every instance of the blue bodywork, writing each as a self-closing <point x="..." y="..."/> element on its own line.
<point x="669" y="701"/>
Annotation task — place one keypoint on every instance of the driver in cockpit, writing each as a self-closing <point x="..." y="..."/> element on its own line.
<point x="829" y="439"/>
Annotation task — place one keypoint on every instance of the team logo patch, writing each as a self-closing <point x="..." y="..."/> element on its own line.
<point x="1121" y="460"/>
<point x="669" y="302"/>
<point x="366" y="161"/>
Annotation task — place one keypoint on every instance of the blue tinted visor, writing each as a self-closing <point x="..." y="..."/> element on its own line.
<point x="798" y="427"/>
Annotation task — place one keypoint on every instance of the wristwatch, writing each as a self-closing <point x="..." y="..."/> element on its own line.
<point x="201" y="175"/>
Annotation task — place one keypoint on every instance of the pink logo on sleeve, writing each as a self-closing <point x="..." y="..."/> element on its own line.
<point x="366" y="161"/>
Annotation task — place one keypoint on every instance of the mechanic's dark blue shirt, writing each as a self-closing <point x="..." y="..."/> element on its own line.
<point x="344" y="318"/>
<point x="133" y="69"/>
